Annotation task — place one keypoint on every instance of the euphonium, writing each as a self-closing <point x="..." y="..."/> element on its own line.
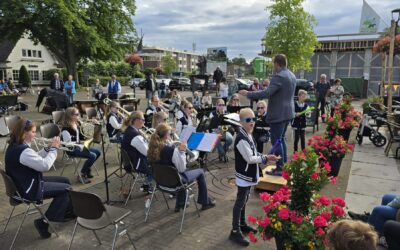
<point x="193" y="155"/>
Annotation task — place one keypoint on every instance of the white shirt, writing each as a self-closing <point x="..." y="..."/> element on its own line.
<point x="140" y="144"/>
<point x="206" y="100"/>
<point x="247" y="154"/>
<point x="224" y="90"/>
<point x="114" y="122"/>
<point x="40" y="161"/>
<point x="179" y="126"/>
<point x="179" y="160"/>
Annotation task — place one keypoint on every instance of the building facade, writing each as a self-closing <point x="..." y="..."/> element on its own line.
<point x="36" y="58"/>
<point x="185" y="61"/>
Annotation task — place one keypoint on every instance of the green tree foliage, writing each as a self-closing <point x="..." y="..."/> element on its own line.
<point x="290" y="32"/>
<point x="72" y="30"/>
<point x="24" y="78"/>
<point x="240" y="61"/>
<point x="168" y="63"/>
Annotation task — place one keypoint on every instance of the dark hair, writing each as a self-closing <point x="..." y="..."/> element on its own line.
<point x="281" y="60"/>
<point x="17" y="135"/>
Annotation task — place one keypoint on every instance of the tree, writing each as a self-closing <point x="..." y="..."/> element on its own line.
<point x="168" y="63"/>
<point x="24" y="78"/>
<point x="72" y="30"/>
<point x="240" y="61"/>
<point x="290" y="32"/>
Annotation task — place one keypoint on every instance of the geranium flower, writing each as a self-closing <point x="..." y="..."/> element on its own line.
<point x="319" y="221"/>
<point x="283" y="214"/>
<point x="338" y="211"/>
<point x="285" y="175"/>
<point x="324" y="201"/>
<point x="326" y="215"/>
<point x="332" y="179"/>
<point x="265" y="222"/>
<point x="264" y="196"/>
<point x="252" y="238"/>
<point x="320" y="232"/>
<point x="251" y="219"/>
<point x="339" y="201"/>
<point x="295" y="217"/>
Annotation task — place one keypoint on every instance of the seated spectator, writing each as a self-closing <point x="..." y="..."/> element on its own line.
<point x="233" y="103"/>
<point x="352" y="235"/>
<point x="97" y="90"/>
<point x="196" y="101"/>
<point x="206" y="100"/>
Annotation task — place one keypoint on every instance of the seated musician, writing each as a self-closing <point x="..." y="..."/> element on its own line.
<point x="184" y="117"/>
<point x="114" y="123"/>
<point x="160" y="151"/>
<point x="158" y="118"/>
<point x="154" y="107"/>
<point x="136" y="146"/>
<point x="234" y="104"/>
<point x="196" y="101"/>
<point x="206" y="100"/>
<point x="71" y="132"/>
<point x="175" y="100"/>
<point x="216" y="125"/>
<point x="261" y="129"/>
<point x="25" y="166"/>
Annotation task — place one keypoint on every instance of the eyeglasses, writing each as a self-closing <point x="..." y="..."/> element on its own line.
<point x="189" y="107"/>
<point x="260" y="108"/>
<point x="75" y="114"/>
<point x="249" y="119"/>
<point x="221" y="105"/>
<point x="165" y="119"/>
<point x="235" y="99"/>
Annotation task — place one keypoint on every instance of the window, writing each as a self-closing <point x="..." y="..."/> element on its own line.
<point x="33" y="53"/>
<point x="24" y="52"/>
<point x="44" y="75"/>
<point x="39" y="53"/>
<point x="34" y="75"/>
<point x="29" y="53"/>
<point x="15" y="75"/>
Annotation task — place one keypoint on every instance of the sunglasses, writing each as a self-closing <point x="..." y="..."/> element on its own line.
<point x="249" y="119"/>
<point x="235" y="99"/>
<point x="75" y="114"/>
<point x="260" y="108"/>
<point x="190" y="108"/>
<point x="221" y="105"/>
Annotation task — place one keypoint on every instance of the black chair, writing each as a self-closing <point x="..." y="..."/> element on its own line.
<point x="91" y="113"/>
<point x="48" y="131"/>
<point x="393" y="138"/>
<point x="58" y="117"/>
<point x="169" y="181"/>
<point x="11" y="121"/>
<point x="93" y="215"/>
<point x="15" y="200"/>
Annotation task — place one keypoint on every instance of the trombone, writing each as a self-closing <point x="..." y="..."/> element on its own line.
<point x="121" y="111"/>
<point x="66" y="146"/>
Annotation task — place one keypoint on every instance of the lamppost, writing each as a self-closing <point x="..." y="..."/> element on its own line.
<point x="393" y="28"/>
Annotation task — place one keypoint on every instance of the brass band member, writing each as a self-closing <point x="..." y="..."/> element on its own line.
<point x="26" y="166"/>
<point x="158" y="118"/>
<point x="137" y="146"/>
<point x="217" y="118"/>
<point x="234" y="104"/>
<point x="161" y="152"/>
<point x="261" y="131"/>
<point x="206" y="100"/>
<point x="184" y="117"/>
<point x="114" y="123"/>
<point x="71" y="133"/>
<point x="154" y="107"/>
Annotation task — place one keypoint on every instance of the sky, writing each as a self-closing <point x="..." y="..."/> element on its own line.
<point x="239" y="25"/>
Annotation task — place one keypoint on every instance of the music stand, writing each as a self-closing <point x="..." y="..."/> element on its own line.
<point x="8" y="101"/>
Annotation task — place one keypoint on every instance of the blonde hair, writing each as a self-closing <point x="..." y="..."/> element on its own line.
<point x="113" y="104"/>
<point x="264" y="103"/>
<point x="157" y="118"/>
<point x="68" y="115"/>
<point x="157" y="142"/>
<point x="302" y="92"/>
<point x="132" y="117"/>
<point x="245" y="112"/>
<point x="352" y="235"/>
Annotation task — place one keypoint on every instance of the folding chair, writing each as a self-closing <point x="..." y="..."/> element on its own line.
<point x="91" y="113"/>
<point x="58" y="117"/>
<point x="169" y="181"/>
<point x="15" y="200"/>
<point x="93" y="215"/>
<point x="50" y="130"/>
<point x="10" y="121"/>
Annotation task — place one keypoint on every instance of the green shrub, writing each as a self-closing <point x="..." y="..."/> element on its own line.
<point x="50" y="73"/>
<point x="104" y="80"/>
<point x="24" y="78"/>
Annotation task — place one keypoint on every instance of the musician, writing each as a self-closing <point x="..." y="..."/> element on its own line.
<point x="25" y="166"/>
<point x="216" y="125"/>
<point x="113" y="88"/>
<point x="261" y="130"/>
<point x="154" y="107"/>
<point x="71" y="132"/>
<point x="97" y="90"/>
<point x="114" y="123"/>
<point x="234" y="104"/>
<point x="206" y="100"/>
<point x="136" y="146"/>
<point x="184" y="117"/>
<point x="158" y="118"/>
<point x="161" y="152"/>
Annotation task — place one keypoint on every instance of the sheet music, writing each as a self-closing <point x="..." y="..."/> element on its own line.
<point x="186" y="133"/>
<point x="208" y="142"/>
<point x="194" y="140"/>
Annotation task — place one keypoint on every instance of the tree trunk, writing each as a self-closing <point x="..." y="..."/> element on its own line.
<point x="71" y="62"/>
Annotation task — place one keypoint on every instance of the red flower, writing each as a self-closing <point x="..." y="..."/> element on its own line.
<point x="314" y="176"/>
<point x="285" y="175"/>
<point x="330" y="132"/>
<point x="321" y="156"/>
<point x="252" y="238"/>
<point x="320" y="232"/>
<point x="327" y="166"/>
<point x="267" y="208"/>
<point x="252" y="219"/>
<point x="264" y="196"/>
<point x="333" y="180"/>
<point x="265" y="222"/>
<point x="319" y="221"/>
<point x="323" y="116"/>
<point x="324" y="201"/>
<point x="338" y="211"/>
<point x="326" y="215"/>
<point x="339" y="201"/>
<point x="296" y="217"/>
<point x="283" y="214"/>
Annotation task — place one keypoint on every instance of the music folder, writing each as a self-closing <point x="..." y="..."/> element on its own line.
<point x="204" y="142"/>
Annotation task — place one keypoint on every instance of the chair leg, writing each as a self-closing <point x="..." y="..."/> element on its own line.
<point x="130" y="191"/>
<point x="97" y="237"/>
<point x="165" y="199"/>
<point x="9" y="218"/>
<point x="197" y="208"/>
<point x="44" y="216"/>
<point x="97" y="171"/>
<point x="151" y="200"/>
<point x="130" y="239"/>
<point x="184" y="210"/>
<point x="20" y="225"/>
<point x="73" y="235"/>
<point x="115" y="236"/>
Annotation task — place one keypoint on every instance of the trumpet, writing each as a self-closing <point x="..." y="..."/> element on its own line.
<point x="192" y="155"/>
<point x="66" y="146"/>
<point x="121" y="111"/>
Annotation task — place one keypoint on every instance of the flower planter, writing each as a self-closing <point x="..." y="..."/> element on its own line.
<point x="345" y="132"/>
<point x="335" y="163"/>
<point x="280" y="245"/>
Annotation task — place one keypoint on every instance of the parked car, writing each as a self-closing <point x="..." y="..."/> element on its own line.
<point x="243" y="83"/>
<point x="160" y="78"/>
<point x="142" y="84"/>
<point x="180" y="83"/>
<point x="134" y="82"/>
<point x="303" y="84"/>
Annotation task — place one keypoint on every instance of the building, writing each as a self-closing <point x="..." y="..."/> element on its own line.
<point x="185" y="61"/>
<point x="36" y="58"/>
<point x="348" y="55"/>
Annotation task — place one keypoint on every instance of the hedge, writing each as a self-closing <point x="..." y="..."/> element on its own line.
<point x="104" y="80"/>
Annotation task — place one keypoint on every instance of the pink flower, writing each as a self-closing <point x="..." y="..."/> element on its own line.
<point x="296" y="217"/>
<point x="326" y="215"/>
<point x="294" y="157"/>
<point x="252" y="238"/>
<point x="320" y="232"/>
<point x="252" y="219"/>
<point x="285" y="175"/>
<point x="265" y="222"/>
<point x="333" y="180"/>
<point x="323" y="116"/>
<point x="321" y="156"/>
<point x="324" y="201"/>
<point x="283" y="214"/>
<point x="327" y="166"/>
<point x="319" y="221"/>
<point x="314" y="176"/>
<point x="330" y="132"/>
<point x="338" y="211"/>
<point x="264" y="196"/>
<point x="339" y="201"/>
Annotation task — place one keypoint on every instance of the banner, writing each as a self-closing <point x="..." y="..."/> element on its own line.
<point x="370" y="20"/>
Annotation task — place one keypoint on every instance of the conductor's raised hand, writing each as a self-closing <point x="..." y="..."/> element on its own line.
<point x="55" y="142"/>
<point x="183" y="146"/>
<point x="243" y="92"/>
<point x="273" y="158"/>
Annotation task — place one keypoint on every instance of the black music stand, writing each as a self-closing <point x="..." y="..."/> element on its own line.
<point x="8" y="101"/>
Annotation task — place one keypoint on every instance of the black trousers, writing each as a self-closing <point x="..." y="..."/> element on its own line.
<point x="391" y="230"/>
<point x="299" y="134"/>
<point x="332" y="112"/>
<point x="239" y="209"/>
<point x="321" y="101"/>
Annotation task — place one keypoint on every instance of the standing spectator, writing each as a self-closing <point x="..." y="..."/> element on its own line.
<point x="150" y="86"/>
<point x="69" y="89"/>
<point x="337" y="92"/>
<point x="299" y="122"/>
<point x="206" y="79"/>
<point x="265" y="84"/>
<point x="254" y="87"/>
<point x="223" y="90"/>
<point x="161" y="90"/>
<point x="391" y="229"/>
<point x="206" y="100"/>
<point x="97" y="90"/>
<point x="280" y="106"/>
<point x="113" y="88"/>
<point x="217" y="77"/>
<point x="56" y="83"/>
<point x="321" y="91"/>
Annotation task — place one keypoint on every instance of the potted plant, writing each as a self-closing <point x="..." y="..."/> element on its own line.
<point x="372" y="99"/>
